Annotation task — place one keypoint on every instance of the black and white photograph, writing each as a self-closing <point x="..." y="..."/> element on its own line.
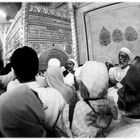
<point x="69" y="69"/>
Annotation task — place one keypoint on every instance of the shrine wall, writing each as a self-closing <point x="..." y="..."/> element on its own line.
<point x="103" y="28"/>
<point x="43" y="29"/>
<point x="49" y="29"/>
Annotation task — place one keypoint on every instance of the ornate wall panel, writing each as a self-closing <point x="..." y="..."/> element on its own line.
<point x="111" y="27"/>
<point x="49" y="29"/>
<point x="42" y="29"/>
<point x="52" y="53"/>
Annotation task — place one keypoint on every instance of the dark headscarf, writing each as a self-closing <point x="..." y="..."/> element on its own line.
<point x="129" y="94"/>
<point x="6" y="69"/>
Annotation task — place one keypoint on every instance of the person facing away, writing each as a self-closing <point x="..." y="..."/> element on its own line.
<point x="41" y="79"/>
<point x="21" y="114"/>
<point x="129" y="104"/>
<point x="25" y="64"/>
<point x="93" y="114"/>
<point x="54" y="62"/>
<point x="54" y="77"/>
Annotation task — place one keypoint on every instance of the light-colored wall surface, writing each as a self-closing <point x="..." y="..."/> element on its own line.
<point x="119" y="16"/>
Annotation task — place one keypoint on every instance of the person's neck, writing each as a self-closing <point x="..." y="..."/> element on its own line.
<point x="23" y="81"/>
<point x="72" y="71"/>
<point x="123" y="67"/>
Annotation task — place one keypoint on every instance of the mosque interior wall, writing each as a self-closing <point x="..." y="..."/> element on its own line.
<point x="103" y="28"/>
<point x="43" y="29"/>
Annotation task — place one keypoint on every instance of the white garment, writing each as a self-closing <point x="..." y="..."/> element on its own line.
<point x="52" y="100"/>
<point x="112" y="94"/>
<point x="54" y="62"/>
<point x="5" y="79"/>
<point x="128" y="128"/>
<point x="69" y="79"/>
<point x="12" y="84"/>
<point x="116" y="74"/>
<point x="42" y="81"/>
<point x="77" y="72"/>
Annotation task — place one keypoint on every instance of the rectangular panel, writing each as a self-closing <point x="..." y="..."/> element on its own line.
<point x="111" y="28"/>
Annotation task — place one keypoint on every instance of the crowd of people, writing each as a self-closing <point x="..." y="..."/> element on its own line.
<point x="93" y="100"/>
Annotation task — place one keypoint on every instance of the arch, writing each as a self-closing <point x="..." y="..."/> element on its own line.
<point x="52" y="53"/>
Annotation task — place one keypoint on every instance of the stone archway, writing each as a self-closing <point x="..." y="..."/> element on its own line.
<point x="52" y="53"/>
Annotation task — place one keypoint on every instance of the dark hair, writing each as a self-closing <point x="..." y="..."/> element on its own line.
<point x="1" y="64"/>
<point x="129" y="94"/>
<point x="137" y="57"/>
<point x="108" y="65"/>
<point x="6" y="69"/>
<point x="25" y="63"/>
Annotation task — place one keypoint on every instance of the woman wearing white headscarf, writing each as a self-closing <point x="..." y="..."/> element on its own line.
<point x="94" y="112"/>
<point x="41" y="79"/>
<point x="54" y="77"/>
<point x="54" y="62"/>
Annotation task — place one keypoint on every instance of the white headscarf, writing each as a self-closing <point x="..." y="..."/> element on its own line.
<point x="54" y="62"/>
<point x="54" y="77"/>
<point x="94" y="75"/>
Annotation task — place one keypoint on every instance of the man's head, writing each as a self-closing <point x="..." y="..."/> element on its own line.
<point x="25" y="63"/>
<point x="71" y="65"/>
<point x="124" y="57"/>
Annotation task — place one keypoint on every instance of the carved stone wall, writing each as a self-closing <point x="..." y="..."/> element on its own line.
<point x="52" y="53"/>
<point x="49" y="29"/>
<point x="42" y="29"/>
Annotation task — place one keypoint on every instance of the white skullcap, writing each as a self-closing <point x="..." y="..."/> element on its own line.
<point x="126" y="50"/>
<point x="54" y="62"/>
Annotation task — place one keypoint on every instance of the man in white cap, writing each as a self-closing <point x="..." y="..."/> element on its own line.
<point x="116" y="74"/>
<point x="71" y="66"/>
